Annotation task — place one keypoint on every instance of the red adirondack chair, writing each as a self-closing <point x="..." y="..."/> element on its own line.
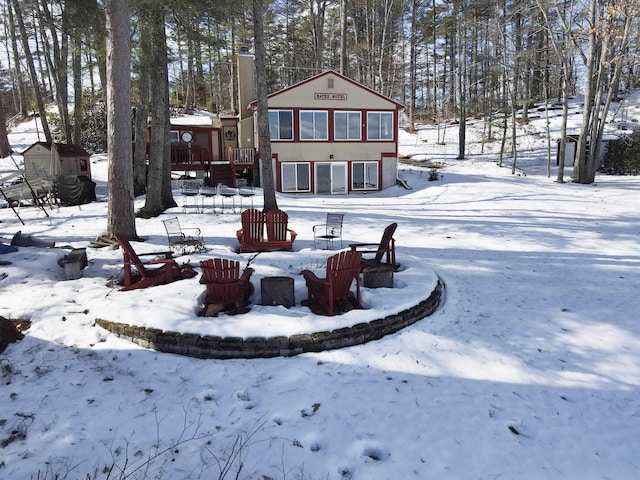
<point x="327" y="293"/>
<point x="385" y="253"/>
<point x="146" y="274"/>
<point x="251" y="235"/>
<point x="226" y="287"/>
<point x="279" y="236"/>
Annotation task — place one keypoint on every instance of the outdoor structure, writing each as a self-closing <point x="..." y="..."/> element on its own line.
<point x="331" y="135"/>
<point x="53" y="172"/>
<point x="47" y="161"/>
<point x="208" y="146"/>
<point x="571" y="148"/>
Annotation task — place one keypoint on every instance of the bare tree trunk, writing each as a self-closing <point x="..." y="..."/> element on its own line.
<point x="78" y="105"/>
<point x="343" y="37"/>
<point x="461" y="68"/>
<point x="159" y="196"/>
<point x="264" y="135"/>
<point x="317" y="15"/>
<point x="120" y="213"/>
<point x="5" y="147"/>
<point x="56" y="55"/>
<point x="413" y="58"/>
<point x="32" y="70"/>
<point x="141" y="119"/>
<point x="22" y="105"/>
<point x="612" y="59"/>
<point x="580" y="167"/>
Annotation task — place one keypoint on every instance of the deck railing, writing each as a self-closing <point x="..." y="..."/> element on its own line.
<point x="190" y="157"/>
<point x="242" y="156"/>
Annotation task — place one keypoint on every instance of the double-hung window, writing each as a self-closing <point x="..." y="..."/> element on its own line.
<point x="347" y="125"/>
<point x="364" y="175"/>
<point x="314" y="125"/>
<point x="296" y="177"/>
<point x="379" y="125"/>
<point x="281" y="124"/>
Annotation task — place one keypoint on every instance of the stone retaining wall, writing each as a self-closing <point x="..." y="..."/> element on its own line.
<point x="207" y="346"/>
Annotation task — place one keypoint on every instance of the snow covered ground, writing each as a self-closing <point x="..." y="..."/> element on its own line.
<point x="530" y="368"/>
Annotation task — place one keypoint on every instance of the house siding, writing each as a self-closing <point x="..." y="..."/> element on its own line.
<point x="345" y="96"/>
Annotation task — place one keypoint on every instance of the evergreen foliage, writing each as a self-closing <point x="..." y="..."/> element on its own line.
<point x="94" y="125"/>
<point x="623" y="156"/>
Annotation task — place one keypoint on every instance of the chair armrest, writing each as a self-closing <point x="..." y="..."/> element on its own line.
<point x="192" y="228"/>
<point x="246" y="274"/>
<point x="354" y="246"/>
<point x="293" y="235"/>
<point x="313" y="278"/>
<point x="316" y="226"/>
<point x="163" y="261"/>
<point x="167" y="255"/>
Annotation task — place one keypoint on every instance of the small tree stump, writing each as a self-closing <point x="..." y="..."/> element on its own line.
<point x="9" y="333"/>
<point x="74" y="263"/>
<point x="277" y="291"/>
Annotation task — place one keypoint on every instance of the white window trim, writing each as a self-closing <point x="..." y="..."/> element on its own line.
<point x="379" y="137"/>
<point x="353" y="176"/>
<point x="314" y="139"/>
<point x="348" y="139"/>
<point x="296" y="164"/>
<point x="293" y="133"/>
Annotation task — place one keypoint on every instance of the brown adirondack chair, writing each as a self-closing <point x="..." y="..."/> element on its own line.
<point x="226" y="287"/>
<point x="183" y="240"/>
<point x="146" y="274"/>
<point x="326" y="294"/>
<point x="251" y="235"/>
<point x="385" y="253"/>
<point x="279" y="236"/>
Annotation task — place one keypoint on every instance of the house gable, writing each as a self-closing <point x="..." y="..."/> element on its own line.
<point x="332" y="135"/>
<point x="331" y="90"/>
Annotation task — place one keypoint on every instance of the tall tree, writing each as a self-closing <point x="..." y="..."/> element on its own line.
<point x="120" y="212"/>
<point x="55" y="43"/>
<point x="264" y="134"/>
<point x="141" y="116"/>
<point x="317" y="12"/>
<point x="5" y="147"/>
<point x="560" y="43"/>
<point x="609" y="26"/>
<point x="22" y="104"/>
<point x="159" y="196"/>
<point x="35" y="81"/>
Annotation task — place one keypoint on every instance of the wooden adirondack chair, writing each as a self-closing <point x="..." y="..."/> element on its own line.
<point x="385" y="253"/>
<point x="251" y="235"/>
<point x="279" y="236"/>
<point x="181" y="242"/>
<point x="327" y="293"/>
<point x="329" y="231"/>
<point x="226" y="287"/>
<point x="147" y="274"/>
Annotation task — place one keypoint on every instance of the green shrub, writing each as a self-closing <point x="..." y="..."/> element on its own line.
<point x="94" y="125"/>
<point x="623" y="156"/>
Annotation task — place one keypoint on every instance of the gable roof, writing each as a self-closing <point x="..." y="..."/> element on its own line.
<point x="347" y="81"/>
<point x="64" y="149"/>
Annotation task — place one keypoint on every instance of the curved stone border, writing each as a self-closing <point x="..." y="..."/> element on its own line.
<point x="208" y="346"/>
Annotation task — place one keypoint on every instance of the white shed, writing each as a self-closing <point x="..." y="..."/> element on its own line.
<point x="47" y="161"/>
